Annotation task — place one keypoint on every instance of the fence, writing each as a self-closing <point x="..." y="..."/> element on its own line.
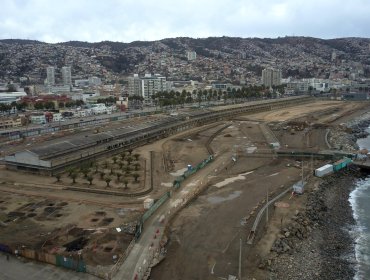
<point x="149" y="212"/>
<point x="58" y="260"/>
<point x="178" y="180"/>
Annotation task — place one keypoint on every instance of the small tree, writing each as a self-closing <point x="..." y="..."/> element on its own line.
<point x="70" y="170"/>
<point x="136" y="156"/>
<point x="105" y="164"/>
<point x="114" y="159"/>
<point x="96" y="166"/>
<point x="120" y="164"/>
<point x="136" y="176"/>
<point x="111" y="171"/>
<point x="107" y="180"/>
<point x="125" y="182"/>
<point x="128" y="169"/>
<point x="129" y="160"/>
<point x="85" y="172"/>
<point x="58" y="176"/>
<point x="90" y="179"/>
<point x="118" y="174"/>
<point x="130" y="151"/>
<point x="102" y="174"/>
<point x="137" y="165"/>
<point x="74" y="176"/>
<point x="123" y="155"/>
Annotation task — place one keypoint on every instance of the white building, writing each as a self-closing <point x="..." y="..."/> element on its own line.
<point x="38" y="119"/>
<point x="191" y="55"/>
<point x="9" y="97"/>
<point x="98" y="108"/>
<point x="50" y="75"/>
<point x="146" y="86"/>
<point x="271" y="77"/>
<point x="66" y="75"/>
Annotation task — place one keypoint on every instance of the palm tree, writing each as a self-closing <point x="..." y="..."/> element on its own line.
<point x="118" y="174"/>
<point x="96" y="165"/>
<point x="74" y="176"/>
<point x="90" y="179"/>
<point x="102" y="174"/>
<point x="130" y="151"/>
<point x="136" y="176"/>
<point x="107" y="180"/>
<point x="136" y="156"/>
<point x="111" y="171"/>
<point x="105" y="164"/>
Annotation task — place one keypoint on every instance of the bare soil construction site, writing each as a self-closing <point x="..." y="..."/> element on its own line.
<point x="76" y="218"/>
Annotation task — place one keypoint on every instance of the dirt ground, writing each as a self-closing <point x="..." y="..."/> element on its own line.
<point x="204" y="238"/>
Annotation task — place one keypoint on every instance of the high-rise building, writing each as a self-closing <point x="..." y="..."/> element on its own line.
<point x="66" y="75"/>
<point x="134" y="85"/>
<point x="191" y="55"/>
<point x="271" y="77"/>
<point x="146" y="86"/>
<point x="50" y="75"/>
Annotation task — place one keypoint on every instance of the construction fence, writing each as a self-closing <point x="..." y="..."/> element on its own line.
<point x="76" y="264"/>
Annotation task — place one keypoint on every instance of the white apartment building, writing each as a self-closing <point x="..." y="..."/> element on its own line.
<point x="191" y="55"/>
<point x="66" y="75"/>
<point x="50" y="75"/>
<point x="146" y="86"/>
<point x="271" y="77"/>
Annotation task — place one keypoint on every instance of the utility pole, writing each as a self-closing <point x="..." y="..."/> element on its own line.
<point x="267" y="208"/>
<point x="240" y="259"/>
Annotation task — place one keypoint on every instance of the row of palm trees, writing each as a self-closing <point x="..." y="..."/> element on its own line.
<point x="121" y="166"/>
<point x="166" y="98"/>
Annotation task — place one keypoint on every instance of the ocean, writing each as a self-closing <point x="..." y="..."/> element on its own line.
<point x="360" y="202"/>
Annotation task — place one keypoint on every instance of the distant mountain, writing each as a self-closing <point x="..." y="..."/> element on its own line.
<point x="218" y="58"/>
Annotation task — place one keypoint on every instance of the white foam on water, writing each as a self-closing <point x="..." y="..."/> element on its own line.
<point x="361" y="233"/>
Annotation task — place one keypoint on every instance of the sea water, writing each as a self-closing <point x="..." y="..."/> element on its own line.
<point x="360" y="202"/>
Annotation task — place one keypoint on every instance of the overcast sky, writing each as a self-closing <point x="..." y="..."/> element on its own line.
<point x="130" y="20"/>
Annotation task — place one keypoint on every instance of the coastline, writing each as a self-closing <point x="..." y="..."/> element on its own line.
<point x="320" y="243"/>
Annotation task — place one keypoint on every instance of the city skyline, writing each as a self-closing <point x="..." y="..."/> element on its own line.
<point x="127" y="21"/>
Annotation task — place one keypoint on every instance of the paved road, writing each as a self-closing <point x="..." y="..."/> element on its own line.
<point x="16" y="269"/>
<point x="137" y="261"/>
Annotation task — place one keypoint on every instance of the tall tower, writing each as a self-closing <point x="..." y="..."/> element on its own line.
<point x="271" y="77"/>
<point x="66" y="75"/>
<point x="50" y="75"/>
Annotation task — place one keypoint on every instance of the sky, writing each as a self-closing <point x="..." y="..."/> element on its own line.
<point x="55" y="21"/>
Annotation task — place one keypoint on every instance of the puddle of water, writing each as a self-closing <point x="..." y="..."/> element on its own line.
<point x="232" y="180"/>
<point x="179" y="172"/>
<point x="166" y="185"/>
<point x="219" y="199"/>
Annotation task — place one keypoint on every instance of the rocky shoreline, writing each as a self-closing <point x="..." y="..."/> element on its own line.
<point x="318" y="243"/>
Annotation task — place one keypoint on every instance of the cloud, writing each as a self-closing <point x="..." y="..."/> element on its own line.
<point x="129" y="20"/>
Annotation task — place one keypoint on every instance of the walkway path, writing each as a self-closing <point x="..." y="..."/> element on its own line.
<point x="138" y="261"/>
